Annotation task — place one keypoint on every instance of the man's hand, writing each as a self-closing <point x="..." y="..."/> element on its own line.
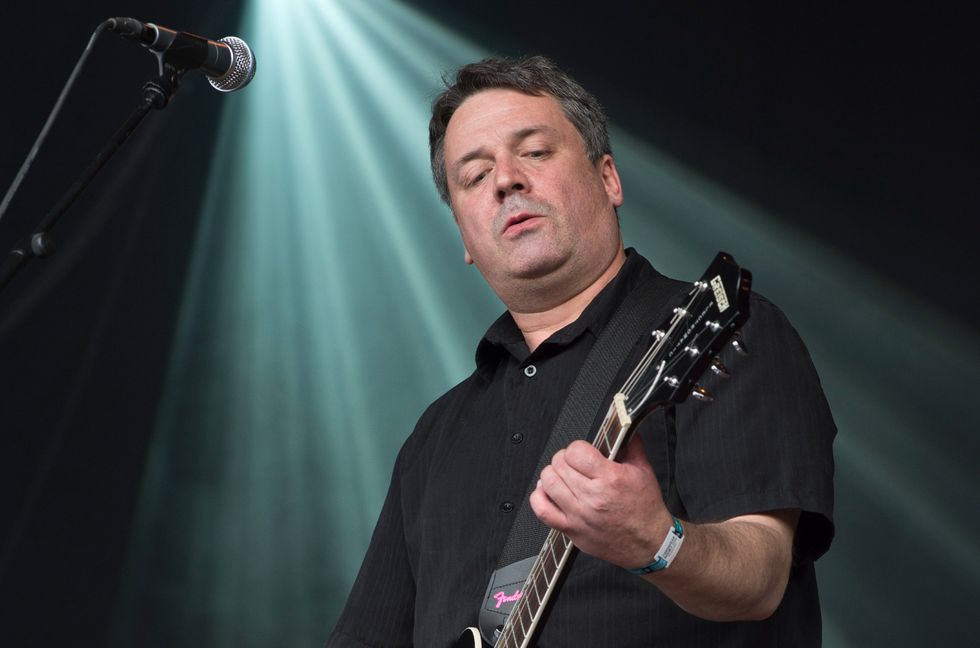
<point x="610" y="510"/>
<point x="732" y="570"/>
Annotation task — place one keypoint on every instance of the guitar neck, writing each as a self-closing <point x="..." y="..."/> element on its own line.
<point x="557" y="548"/>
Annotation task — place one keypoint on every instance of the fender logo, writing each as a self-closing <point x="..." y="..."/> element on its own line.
<point x="502" y="598"/>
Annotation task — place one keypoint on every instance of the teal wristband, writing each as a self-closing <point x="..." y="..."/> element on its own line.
<point x="667" y="553"/>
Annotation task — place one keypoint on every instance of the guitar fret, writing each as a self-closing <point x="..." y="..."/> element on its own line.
<point x="525" y="618"/>
<point x="537" y="594"/>
<point x="541" y="581"/>
<point x="551" y="553"/>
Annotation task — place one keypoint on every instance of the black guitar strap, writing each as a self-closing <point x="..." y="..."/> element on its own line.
<point x="646" y="303"/>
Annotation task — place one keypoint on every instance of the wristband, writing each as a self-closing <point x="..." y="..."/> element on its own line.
<point x="667" y="553"/>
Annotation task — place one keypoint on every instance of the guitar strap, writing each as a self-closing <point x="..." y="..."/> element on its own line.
<point x="642" y="305"/>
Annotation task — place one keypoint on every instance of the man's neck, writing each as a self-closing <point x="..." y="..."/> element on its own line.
<point x="539" y="326"/>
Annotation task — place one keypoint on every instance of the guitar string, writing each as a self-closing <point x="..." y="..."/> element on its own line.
<point x="647" y="360"/>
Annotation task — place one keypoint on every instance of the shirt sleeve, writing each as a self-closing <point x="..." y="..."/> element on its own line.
<point x="765" y="441"/>
<point x="380" y="609"/>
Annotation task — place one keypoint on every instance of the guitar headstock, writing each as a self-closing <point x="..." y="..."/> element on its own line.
<point x="687" y="343"/>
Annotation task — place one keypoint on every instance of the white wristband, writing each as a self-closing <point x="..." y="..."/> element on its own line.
<point x="667" y="553"/>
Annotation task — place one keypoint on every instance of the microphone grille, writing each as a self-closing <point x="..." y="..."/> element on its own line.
<point x="242" y="66"/>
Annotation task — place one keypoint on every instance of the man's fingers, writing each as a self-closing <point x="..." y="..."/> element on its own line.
<point x="553" y="485"/>
<point x="574" y="479"/>
<point x="584" y="459"/>
<point x="546" y="510"/>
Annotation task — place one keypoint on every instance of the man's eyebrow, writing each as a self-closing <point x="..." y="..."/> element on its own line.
<point x="524" y="133"/>
<point x="517" y="136"/>
<point x="475" y="154"/>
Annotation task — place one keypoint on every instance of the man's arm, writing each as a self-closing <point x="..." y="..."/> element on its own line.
<point x="733" y="570"/>
<point x="727" y="571"/>
<point x="381" y="605"/>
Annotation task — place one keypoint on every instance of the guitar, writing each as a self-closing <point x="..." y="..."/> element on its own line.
<point x="682" y="348"/>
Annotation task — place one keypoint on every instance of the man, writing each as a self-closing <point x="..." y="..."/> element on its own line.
<point x="520" y="154"/>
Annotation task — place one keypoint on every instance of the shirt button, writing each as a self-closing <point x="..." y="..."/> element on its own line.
<point x="516" y="438"/>
<point x="530" y="370"/>
<point x="507" y="507"/>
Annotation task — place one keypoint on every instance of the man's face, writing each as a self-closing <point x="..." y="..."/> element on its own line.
<point x="528" y="202"/>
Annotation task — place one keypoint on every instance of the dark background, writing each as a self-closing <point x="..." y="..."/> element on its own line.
<point x="856" y="125"/>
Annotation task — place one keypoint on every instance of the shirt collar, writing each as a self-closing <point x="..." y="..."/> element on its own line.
<point x="504" y="337"/>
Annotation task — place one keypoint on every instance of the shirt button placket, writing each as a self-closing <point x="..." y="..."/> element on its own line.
<point x="517" y="438"/>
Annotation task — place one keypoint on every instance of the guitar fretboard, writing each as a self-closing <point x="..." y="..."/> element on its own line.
<point x="557" y="548"/>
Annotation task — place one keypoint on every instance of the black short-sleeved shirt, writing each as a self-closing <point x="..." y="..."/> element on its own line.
<point x="764" y="443"/>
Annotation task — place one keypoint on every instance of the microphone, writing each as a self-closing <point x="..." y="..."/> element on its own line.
<point x="228" y="62"/>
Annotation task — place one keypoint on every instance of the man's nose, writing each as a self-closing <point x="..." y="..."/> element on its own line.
<point x="510" y="178"/>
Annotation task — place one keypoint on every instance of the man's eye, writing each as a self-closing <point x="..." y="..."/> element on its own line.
<point x="475" y="179"/>
<point x="537" y="154"/>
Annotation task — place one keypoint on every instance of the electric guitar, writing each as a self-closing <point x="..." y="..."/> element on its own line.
<point x="681" y="349"/>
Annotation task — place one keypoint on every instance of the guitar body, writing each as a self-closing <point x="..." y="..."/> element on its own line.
<point x="469" y="639"/>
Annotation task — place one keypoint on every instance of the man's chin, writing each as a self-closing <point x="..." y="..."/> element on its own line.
<point x="537" y="266"/>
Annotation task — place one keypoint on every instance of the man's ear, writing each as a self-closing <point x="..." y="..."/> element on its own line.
<point x="610" y="180"/>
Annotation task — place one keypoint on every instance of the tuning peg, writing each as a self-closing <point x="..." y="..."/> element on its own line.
<point x="719" y="369"/>
<point x="739" y="345"/>
<point x="700" y="393"/>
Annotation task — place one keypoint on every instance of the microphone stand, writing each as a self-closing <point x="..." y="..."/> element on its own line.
<point x="156" y="95"/>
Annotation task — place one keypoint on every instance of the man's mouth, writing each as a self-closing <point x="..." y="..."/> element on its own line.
<point x="516" y="222"/>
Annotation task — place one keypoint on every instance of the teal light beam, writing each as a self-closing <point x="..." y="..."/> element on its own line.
<point x="309" y="340"/>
